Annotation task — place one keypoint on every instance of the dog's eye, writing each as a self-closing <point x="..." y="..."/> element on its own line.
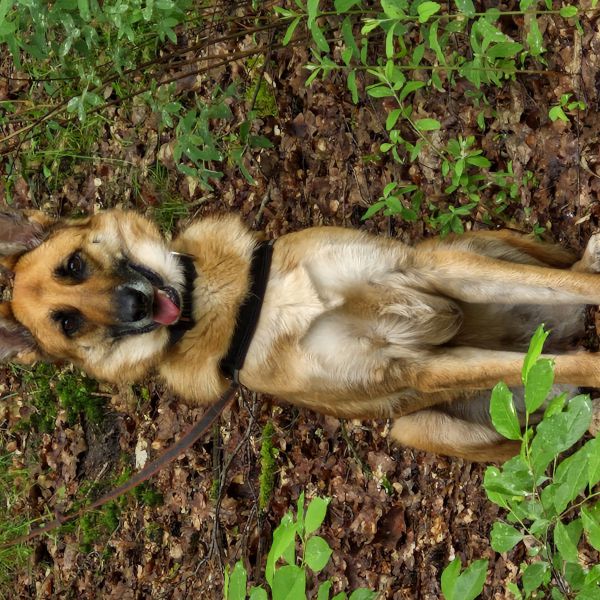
<point x="70" y="322"/>
<point x="75" y="265"/>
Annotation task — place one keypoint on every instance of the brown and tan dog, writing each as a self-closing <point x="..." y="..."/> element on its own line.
<point x="352" y="325"/>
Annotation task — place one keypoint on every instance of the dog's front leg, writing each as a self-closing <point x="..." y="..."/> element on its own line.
<point x="479" y="279"/>
<point x="464" y="368"/>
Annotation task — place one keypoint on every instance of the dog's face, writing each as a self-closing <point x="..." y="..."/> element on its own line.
<point x="100" y="292"/>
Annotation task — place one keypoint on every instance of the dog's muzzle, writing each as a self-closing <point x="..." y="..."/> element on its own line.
<point x="143" y="302"/>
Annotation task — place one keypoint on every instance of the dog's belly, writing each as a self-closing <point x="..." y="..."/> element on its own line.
<point x="336" y="328"/>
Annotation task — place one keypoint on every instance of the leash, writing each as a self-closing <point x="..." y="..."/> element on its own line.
<point x="193" y="434"/>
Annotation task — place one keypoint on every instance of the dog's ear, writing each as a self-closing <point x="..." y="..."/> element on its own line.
<point x="16" y="343"/>
<point x="20" y="232"/>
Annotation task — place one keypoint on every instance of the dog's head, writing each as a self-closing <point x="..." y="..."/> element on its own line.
<point x="100" y="292"/>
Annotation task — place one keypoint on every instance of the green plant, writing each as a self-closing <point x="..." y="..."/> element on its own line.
<point x="465" y="585"/>
<point x="268" y="454"/>
<point x="288" y="581"/>
<point x="86" y="36"/>
<point x="565" y="103"/>
<point x="391" y="202"/>
<point x="551" y="502"/>
<point x="404" y="46"/>
<point x="450" y="220"/>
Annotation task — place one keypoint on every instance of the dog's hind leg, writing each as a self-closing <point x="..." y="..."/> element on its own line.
<point x="462" y="368"/>
<point x="477" y="279"/>
<point x="508" y="246"/>
<point x="436" y="431"/>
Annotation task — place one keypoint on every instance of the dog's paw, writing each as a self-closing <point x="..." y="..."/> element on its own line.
<point x="590" y="261"/>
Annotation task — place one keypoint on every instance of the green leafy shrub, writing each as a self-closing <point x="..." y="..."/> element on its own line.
<point x="550" y="501"/>
<point x="401" y="47"/>
<point x="288" y="581"/>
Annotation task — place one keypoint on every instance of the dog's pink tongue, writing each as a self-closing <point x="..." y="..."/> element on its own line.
<point x="166" y="311"/>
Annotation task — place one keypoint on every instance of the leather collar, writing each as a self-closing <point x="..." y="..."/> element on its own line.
<point x="249" y="312"/>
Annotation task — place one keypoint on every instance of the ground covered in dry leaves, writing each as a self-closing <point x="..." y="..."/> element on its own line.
<point x="397" y="516"/>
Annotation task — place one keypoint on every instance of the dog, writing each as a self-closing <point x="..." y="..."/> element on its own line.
<point x="353" y="325"/>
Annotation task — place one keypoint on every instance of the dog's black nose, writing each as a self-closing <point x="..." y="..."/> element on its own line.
<point x="132" y="305"/>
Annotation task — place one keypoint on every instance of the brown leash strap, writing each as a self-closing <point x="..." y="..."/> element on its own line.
<point x="170" y="454"/>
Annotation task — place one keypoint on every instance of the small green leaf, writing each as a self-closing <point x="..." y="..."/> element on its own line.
<point x="427" y="10"/>
<point x="566" y="538"/>
<point x="389" y="42"/>
<point x="559" y="432"/>
<point x="312" y="10"/>
<point x="319" y="38"/>
<point x="466" y="7"/>
<point x="283" y="537"/>
<point x="351" y="83"/>
<point x="379" y="90"/>
<point x="84" y="9"/>
<point x="535" y="574"/>
<point x="409" y="88"/>
<point x="315" y="514"/>
<point x="316" y="553"/>
<point x="590" y="518"/>
<point x="258" y="593"/>
<point x="535" y="40"/>
<point x="556" y="405"/>
<point x="539" y="383"/>
<point x="449" y="578"/>
<point x="290" y="31"/>
<point x="503" y="413"/>
<point x="593" y="461"/>
<point x="504" y="537"/>
<point x="237" y="582"/>
<point x="557" y="112"/>
<point x="471" y="580"/>
<point x="504" y="50"/>
<point x="289" y="583"/>
<point x="535" y="349"/>
<point x="479" y="161"/>
<point x="568" y="11"/>
<point x="466" y="585"/>
<point x="427" y="124"/>
<point x="435" y="44"/>
<point x="373" y="209"/>
<point x="392" y="118"/>
<point x="392" y="9"/>
<point x="515" y="478"/>
<point x="324" y="589"/>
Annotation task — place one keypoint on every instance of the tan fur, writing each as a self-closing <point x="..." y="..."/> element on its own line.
<point x="352" y="325"/>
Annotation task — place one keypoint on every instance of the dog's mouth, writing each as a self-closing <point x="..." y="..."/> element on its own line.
<point x="160" y="303"/>
<point x="166" y="307"/>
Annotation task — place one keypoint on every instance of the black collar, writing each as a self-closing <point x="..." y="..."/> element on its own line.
<point x="186" y="320"/>
<point x="249" y="312"/>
